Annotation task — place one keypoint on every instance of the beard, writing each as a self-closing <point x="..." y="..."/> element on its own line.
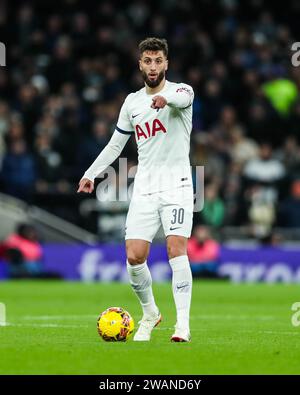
<point x="154" y="83"/>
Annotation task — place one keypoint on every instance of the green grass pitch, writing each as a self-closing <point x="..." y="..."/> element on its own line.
<point x="236" y="329"/>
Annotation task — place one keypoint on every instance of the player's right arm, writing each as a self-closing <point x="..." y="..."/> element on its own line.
<point x="107" y="156"/>
<point x="180" y="96"/>
<point x="110" y="153"/>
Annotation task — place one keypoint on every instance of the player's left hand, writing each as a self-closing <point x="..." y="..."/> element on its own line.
<point x="158" y="102"/>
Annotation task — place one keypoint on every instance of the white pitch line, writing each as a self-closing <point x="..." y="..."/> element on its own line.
<point x="232" y="316"/>
<point x="194" y="317"/>
<point x="288" y="333"/>
<point x="57" y="317"/>
<point x="46" y="325"/>
<point x="51" y="325"/>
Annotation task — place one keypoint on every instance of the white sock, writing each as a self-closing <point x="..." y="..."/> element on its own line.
<point x="141" y="283"/>
<point x="182" y="289"/>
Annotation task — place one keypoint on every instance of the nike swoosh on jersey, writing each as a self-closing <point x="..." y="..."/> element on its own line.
<point x="178" y="227"/>
<point x="136" y="115"/>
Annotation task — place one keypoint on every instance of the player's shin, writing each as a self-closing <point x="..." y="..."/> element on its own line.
<point x="182" y="289"/>
<point x="141" y="283"/>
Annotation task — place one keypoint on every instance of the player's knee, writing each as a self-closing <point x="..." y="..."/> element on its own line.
<point x="135" y="258"/>
<point x="176" y="248"/>
<point x="137" y="252"/>
<point x="174" y="251"/>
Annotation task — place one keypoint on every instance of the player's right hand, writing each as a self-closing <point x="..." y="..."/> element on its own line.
<point x="85" y="185"/>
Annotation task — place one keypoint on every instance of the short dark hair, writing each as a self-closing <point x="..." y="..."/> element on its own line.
<point x="154" y="44"/>
<point x="23" y="229"/>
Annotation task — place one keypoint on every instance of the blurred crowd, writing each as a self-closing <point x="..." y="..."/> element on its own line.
<point x="22" y="253"/>
<point x="70" y="66"/>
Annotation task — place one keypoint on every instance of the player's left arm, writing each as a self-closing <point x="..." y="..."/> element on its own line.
<point x="181" y="96"/>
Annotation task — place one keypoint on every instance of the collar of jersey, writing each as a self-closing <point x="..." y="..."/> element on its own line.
<point x="157" y="93"/>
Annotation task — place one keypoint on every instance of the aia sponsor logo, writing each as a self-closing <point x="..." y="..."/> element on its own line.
<point x="149" y="130"/>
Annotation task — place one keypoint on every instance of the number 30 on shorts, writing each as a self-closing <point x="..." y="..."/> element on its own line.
<point x="178" y="216"/>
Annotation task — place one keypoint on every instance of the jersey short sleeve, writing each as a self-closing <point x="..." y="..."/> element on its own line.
<point x="180" y="96"/>
<point x="188" y="90"/>
<point x="124" y="124"/>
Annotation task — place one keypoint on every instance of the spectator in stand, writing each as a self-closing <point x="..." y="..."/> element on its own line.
<point x="205" y="155"/>
<point x="263" y="122"/>
<point x="212" y="102"/>
<point x="93" y="144"/>
<point x="289" y="209"/>
<point x="16" y="129"/>
<point x="203" y="252"/>
<point x="289" y="156"/>
<point x="49" y="164"/>
<point x="263" y="178"/>
<point x="214" y="210"/>
<point x="242" y="148"/>
<point x="232" y="195"/>
<point x="282" y="93"/>
<point x="4" y="126"/>
<point x="18" y="173"/>
<point x="265" y="169"/>
<point x="23" y="252"/>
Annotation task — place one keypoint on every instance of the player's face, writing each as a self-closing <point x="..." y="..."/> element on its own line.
<point x="153" y="65"/>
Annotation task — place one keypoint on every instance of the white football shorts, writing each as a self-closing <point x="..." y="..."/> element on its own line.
<point x="173" y="209"/>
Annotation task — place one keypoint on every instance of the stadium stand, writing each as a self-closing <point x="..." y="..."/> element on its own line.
<point x="69" y="69"/>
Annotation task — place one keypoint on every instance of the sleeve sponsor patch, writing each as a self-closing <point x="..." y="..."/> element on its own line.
<point x="186" y="90"/>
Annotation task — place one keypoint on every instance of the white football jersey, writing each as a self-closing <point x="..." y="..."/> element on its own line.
<point x="162" y="137"/>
